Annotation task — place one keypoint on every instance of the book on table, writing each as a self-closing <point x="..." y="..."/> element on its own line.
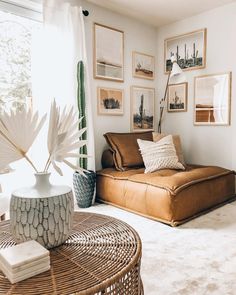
<point x="24" y="260"/>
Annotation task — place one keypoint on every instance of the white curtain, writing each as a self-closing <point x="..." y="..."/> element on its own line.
<point x="56" y="54"/>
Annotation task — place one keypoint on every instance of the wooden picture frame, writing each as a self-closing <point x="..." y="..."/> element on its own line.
<point x="108" y="55"/>
<point x="189" y="50"/>
<point x="177" y="97"/>
<point x="143" y="65"/>
<point x="212" y="99"/>
<point x="110" y="101"/>
<point x="142" y="101"/>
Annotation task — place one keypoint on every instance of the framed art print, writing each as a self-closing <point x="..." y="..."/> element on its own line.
<point x="142" y="108"/>
<point x="188" y="49"/>
<point x="177" y="97"/>
<point x="110" y="101"/>
<point x="143" y="65"/>
<point x="212" y="96"/>
<point x="108" y="53"/>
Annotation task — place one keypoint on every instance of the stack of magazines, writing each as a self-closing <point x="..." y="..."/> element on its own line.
<point x="24" y="260"/>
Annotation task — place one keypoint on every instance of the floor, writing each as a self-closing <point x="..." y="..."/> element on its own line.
<point x="198" y="258"/>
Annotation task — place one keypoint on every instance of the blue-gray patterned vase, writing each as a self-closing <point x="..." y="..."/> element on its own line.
<point x="84" y="188"/>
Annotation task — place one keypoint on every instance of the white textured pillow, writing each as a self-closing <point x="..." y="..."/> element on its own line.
<point x="159" y="155"/>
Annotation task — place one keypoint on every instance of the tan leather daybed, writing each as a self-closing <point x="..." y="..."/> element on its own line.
<point x="169" y="196"/>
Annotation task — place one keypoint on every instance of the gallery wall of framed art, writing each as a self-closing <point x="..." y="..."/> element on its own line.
<point x="108" y="65"/>
<point x="189" y="50"/>
<point x="211" y="92"/>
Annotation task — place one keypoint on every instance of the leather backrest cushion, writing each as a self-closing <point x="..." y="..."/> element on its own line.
<point x="177" y="144"/>
<point x="125" y="148"/>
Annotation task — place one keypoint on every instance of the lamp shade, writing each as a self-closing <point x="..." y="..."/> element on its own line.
<point x="177" y="75"/>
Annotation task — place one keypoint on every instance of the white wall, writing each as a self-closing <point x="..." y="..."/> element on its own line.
<point x="138" y="37"/>
<point x="215" y="145"/>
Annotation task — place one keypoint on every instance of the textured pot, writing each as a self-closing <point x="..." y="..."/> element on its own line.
<point x="84" y="188"/>
<point x="43" y="212"/>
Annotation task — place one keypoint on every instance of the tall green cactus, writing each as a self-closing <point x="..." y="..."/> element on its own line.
<point x="83" y="163"/>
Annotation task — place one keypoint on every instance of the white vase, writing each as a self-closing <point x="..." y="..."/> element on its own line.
<point x="43" y="212"/>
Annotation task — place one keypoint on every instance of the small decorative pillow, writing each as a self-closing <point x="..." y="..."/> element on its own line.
<point x="177" y="144"/>
<point x="159" y="155"/>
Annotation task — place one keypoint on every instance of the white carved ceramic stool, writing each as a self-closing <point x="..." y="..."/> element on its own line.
<point x="43" y="213"/>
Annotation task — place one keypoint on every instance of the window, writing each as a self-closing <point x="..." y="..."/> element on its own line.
<point x="16" y="34"/>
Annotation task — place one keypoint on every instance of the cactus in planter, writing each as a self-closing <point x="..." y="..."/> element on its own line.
<point x="81" y="107"/>
<point x="84" y="186"/>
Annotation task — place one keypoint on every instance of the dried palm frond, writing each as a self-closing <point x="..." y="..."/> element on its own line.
<point x="7" y="169"/>
<point x="18" y="131"/>
<point x="64" y="138"/>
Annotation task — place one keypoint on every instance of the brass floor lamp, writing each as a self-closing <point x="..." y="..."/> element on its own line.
<point x="175" y="76"/>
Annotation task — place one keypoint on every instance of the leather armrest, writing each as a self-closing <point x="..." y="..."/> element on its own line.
<point x="107" y="159"/>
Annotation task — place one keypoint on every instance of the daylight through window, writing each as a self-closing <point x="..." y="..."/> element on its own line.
<point x="16" y="35"/>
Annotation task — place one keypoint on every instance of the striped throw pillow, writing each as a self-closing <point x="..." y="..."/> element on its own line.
<point x="159" y="155"/>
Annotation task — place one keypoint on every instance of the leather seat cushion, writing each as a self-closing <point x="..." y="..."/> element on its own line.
<point x="171" y="196"/>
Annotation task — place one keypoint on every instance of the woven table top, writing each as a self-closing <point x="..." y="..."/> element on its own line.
<point x="100" y="252"/>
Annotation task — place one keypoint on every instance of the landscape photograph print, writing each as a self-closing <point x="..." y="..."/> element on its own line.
<point x="143" y="65"/>
<point x="177" y="97"/>
<point x="189" y="51"/>
<point x="110" y="101"/>
<point x="108" y="53"/>
<point x="142" y="108"/>
<point x="212" y="99"/>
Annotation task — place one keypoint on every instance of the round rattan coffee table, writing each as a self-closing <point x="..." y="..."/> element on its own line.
<point x="101" y="256"/>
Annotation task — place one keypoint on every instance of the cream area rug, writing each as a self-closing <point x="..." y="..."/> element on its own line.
<point x="197" y="258"/>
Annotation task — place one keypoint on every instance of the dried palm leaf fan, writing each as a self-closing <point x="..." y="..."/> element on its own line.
<point x="19" y="129"/>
